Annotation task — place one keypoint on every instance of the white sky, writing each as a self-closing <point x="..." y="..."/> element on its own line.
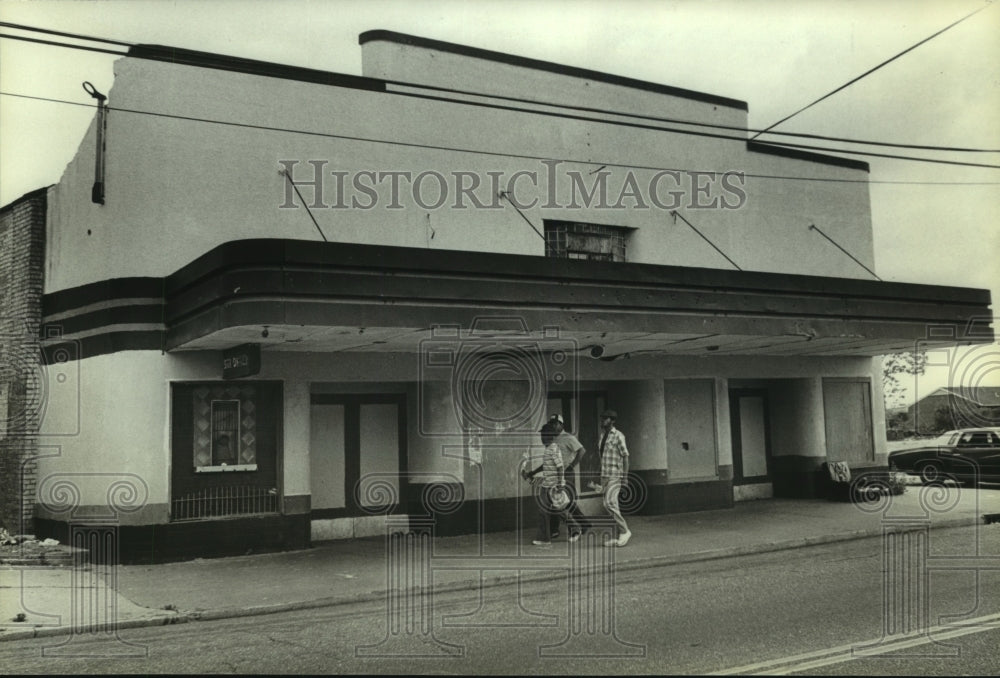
<point x="777" y="55"/>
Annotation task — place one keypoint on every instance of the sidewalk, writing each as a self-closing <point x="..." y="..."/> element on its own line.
<point x="353" y="571"/>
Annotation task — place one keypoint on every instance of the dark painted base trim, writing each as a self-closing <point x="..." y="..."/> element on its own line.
<point x="654" y="497"/>
<point x="687" y="497"/>
<point x="149" y="544"/>
<point x="798" y="477"/>
<point x="453" y="515"/>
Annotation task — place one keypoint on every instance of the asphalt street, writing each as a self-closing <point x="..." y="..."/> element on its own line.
<point x="784" y="610"/>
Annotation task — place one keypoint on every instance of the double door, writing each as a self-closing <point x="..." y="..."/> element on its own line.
<point x="357" y="454"/>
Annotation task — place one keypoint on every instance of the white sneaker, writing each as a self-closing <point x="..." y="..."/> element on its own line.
<point x="623" y="539"/>
<point x="575" y="537"/>
<point x="611" y="542"/>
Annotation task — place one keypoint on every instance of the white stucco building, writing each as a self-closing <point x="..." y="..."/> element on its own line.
<point x="473" y="241"/>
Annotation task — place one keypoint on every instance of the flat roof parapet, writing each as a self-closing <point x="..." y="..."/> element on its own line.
<point x="537" y="64"/>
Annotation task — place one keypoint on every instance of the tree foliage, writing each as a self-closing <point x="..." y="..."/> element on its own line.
<point x="894" y="366"/>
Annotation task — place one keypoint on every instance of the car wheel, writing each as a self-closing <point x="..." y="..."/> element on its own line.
<point x="931" y="472"/>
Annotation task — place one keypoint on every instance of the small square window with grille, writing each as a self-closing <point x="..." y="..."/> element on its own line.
<point x="225" y="432"/>
<point x="578" y="240"/>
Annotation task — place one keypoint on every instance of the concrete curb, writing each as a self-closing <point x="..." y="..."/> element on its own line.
<point x="495" y="582"/>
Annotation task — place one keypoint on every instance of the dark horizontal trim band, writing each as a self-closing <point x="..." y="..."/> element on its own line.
<point x="102" y="291"/>
<point x="102" y="344"/>
<point x="287" y="285"/>
<point x="785" y="152"/>
<point x="548" y="66"/>
<point x="273" y="281"/>
<point x="118" y="315"/>
<point x="222" y="62"/>
<point x="274" y="253"/>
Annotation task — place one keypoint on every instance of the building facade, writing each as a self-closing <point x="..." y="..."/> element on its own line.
<point x="280" y="303"/>
<point x="945" y="409"/>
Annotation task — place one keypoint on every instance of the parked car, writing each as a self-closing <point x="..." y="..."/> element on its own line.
<point x="967" y="455"/>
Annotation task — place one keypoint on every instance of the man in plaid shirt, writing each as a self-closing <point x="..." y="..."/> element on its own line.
<point x="614" y="472"/>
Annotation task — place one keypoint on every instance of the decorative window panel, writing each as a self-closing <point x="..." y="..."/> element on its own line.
<point x="225" y="428"/>
<point x="578" y="240"/>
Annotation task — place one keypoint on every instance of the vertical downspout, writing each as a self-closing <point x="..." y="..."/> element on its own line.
<point x="97" y="193"/>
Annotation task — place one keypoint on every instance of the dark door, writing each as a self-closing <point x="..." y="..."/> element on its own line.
<point x="581" y="416"/>
<point x="751" y="436"/>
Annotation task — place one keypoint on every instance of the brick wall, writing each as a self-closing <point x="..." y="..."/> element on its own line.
<point x="22" y="252"/>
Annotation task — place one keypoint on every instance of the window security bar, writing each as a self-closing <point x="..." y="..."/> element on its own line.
<point x="232" y="500"/>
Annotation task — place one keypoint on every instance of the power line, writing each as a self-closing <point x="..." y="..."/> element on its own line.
<point x="501" y="154"/>
<point x="79" y="36"/>
<point x="892" y="156"/>
<point x="707" y="135"/>
<point x="62" y="44"/>
<point x="693" y="123"/>
<point x="868" y="142"/>
<point x="809" y="147"/>
<point x="872" y="70"/>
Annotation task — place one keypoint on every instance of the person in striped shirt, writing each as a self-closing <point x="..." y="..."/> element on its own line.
<point x="548" y="480"/>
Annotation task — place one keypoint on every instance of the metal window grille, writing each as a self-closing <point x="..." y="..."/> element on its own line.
<point x="232" y="500"/>
<point x="225" y="431"/>
<point x="578" y="240"/>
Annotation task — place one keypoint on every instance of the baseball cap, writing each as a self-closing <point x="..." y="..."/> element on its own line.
<point x="556" y="417"/>
<point x="611" y="414"/>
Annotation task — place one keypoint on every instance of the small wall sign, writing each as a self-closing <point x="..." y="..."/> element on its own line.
<point x="241" y="361"/>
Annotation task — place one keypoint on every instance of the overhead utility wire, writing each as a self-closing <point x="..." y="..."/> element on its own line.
<point x="871" y="70"/>
<point x="7" y="24"/>
<point x="709" y="135"/>
<point x="867" y="142"/>
<point x="516" y="156"/>
<point x="62" y="44"/>
<point x="693" y="123"/>
<point x="742" y="139"/>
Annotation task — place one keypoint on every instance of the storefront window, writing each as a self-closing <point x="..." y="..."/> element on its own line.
<point x="224" y="429"/>
<point x="224" y="440"/>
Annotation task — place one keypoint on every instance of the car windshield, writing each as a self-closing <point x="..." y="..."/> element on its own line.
<point x="949" y="438"/>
